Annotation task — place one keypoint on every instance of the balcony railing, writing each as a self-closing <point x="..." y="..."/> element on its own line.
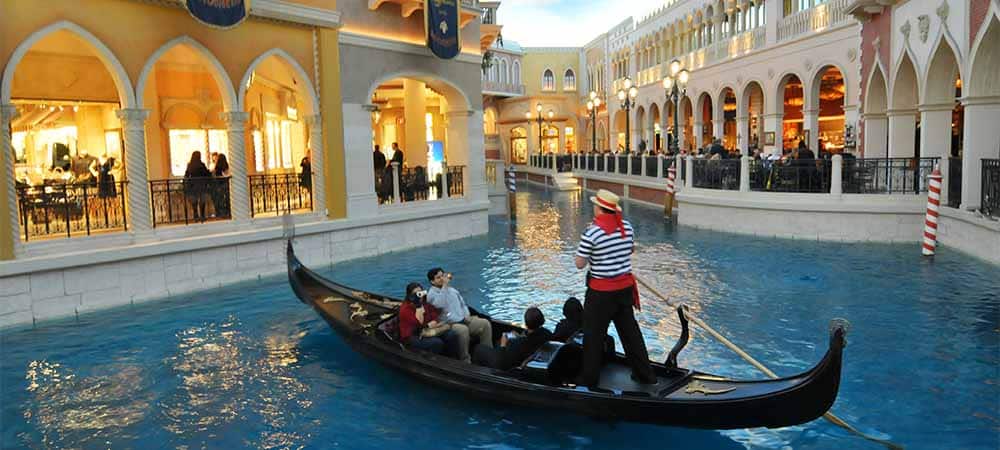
<point x="716" y="174"/>
<point x="887" y="175"/>
<point x="456" y="182"/>
<point x="817" y="18"/>
<point x="69" y="210"/>
<point x="564" y="163"/>
<point x="503" y="88"/>
<point x="189" y="200"/>
<point x="990" y="204"/>
<point x="954" y="182"/>
<point x="280" y="193"/>
<point x="804" y="176"/>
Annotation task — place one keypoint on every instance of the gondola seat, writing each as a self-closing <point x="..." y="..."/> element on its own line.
<point x="555" y="364"/>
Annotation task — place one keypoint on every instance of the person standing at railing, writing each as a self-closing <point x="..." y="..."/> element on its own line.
<point x="220" y="171"/>
<point x="305" y="178"/>
<point x="105" y="179"/>
<point x="195" y="177"/>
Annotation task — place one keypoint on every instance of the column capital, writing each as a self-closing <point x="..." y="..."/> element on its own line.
<point x="460" y="113"/>
<point x="313" y="119"/>
<point x="936" y="107"/>
<point x="874" y="116"/>
<point x="810" y="111"/>
<point x="234" y="118"/>
<point x="774" y="116"/>
<point x="901" y="112"/>
<point x="7" y="112"/>
<point x="132" y="115"/>
<point x="984" y="100"/>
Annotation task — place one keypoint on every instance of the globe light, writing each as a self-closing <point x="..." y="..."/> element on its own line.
<point x="551" y="114"/>
<point x="621" y="95"/>
<point x="634" y="92"/>
<point x="527" y="115"/>
<point x="628" y="83"/>
<point x="682" y="78"/>
<point x="675" y="66"/>
<point x="597" y="102"/>
<point x="538" y="107"/>
<point x="668" y="83"/>
<point x="590" y="105"/>
<point x="593" y="95"/>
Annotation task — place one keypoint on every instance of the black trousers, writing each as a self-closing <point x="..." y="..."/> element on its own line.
<point x="599" y="310"/>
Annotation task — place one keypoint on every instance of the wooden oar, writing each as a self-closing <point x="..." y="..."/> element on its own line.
<point x="719" y="337"/>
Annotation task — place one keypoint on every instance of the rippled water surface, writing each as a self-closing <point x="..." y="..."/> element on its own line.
<point x="248" y="366"/>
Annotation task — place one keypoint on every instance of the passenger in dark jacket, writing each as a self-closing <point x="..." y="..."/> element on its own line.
<point x="572" y="320"/>
<point x="513" y="351"/>
<point x="196" y="181"/>
<point x="415" y="316"/>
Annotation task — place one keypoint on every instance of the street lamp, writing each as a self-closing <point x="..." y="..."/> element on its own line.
<point x="540" y="119"/>
<point x="593" y="106"/>
<point x="676" y="85"/>
<point x="627" y="96"/>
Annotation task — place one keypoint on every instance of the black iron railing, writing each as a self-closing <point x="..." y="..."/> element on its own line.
<point x="280" y="193"/>
<point x="717" y="174"/>
<point x="621" y="164"/>
<point x="189" y="200"/>
<point x="990" y="204"/>
<point x="887" y="175"/>
<point x="456" y="184"/>
<point x="651" y="165"/>
<point x="600" y="162"/>
<point x="636" y="165"/>
<point x="954" y="182"/>
<point x="591" y="158"/>
<point x="68" y="210"/>
<point x="564" y="163"/>
<point x="804" y="175"/>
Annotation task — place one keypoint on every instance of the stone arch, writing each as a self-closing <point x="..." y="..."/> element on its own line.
<point x="218" y="73"/>
<point x="123" y="84"/>
<point x="827" y="97"/>
<point x="876" y="92"/>
<point x="777" y="101"/>
<point x="940" y="74"/>
<point x="903" y="90"/>
<point x="876" y="103"/>
<point x="457" y="99"/>
<point x="903" y="96"/>
<point x="751" y="107"/>
<point x="640" y="125"/>
<point x="985" y="60"/>
<point x="306" y="84"/>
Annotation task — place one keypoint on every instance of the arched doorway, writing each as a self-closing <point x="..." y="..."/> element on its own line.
<point x="657" y="132"/>
<point x="728" y="107"/>
<point x="982" y="110"/>
<point x="687" y="124"/>
<point x="792" y="119"/>
<point x="550" y="139"/>
<point x="619" y="130"/>
<point x="829" y="91"/>
<point x="705" y="105"/>
<point x="876" y="137"/>
<point x="67" y="141"/>
<point x="941" y="112"/>
<point x="641" y="126"/>
<point x="903" y="120"/>
<point x="519" y="145"/>
<point x="280" y="134"/>
<point x="753" y="101"/>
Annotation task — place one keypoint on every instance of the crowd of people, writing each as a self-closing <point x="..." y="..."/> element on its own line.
<point x="414" y="183"/>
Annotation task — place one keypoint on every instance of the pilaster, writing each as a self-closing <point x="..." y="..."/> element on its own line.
<point x="9" y="230"/>
<point x="238" y="183"/>
<point x="134" y="130"/>
<point x="317" y="159"/>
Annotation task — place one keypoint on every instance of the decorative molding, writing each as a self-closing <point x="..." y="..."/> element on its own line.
<point x="905" y="29"/>
<point x="360" y="40"/>
<point x="923" y="26"/>
<point x="877" y="43"/>
<point x="852" y="54"/>
<point x="808" y="65"/>
<point x="770" y="74"/>
<point x="296" y="13"/>
<point x="942" y="11"/>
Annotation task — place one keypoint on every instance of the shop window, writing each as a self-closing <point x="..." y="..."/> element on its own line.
<point x="185" y="142"/>
<point x="258" y="150"/>
<point x="279" y="143"/>
<point x="570" y="139"/>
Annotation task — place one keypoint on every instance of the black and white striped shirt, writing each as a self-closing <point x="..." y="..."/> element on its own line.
<point x="609" y="255"/>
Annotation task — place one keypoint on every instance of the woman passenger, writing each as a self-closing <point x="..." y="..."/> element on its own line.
<point x="418" y="326"/>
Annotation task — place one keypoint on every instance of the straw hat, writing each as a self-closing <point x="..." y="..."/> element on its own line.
<point x="606" y="199"/>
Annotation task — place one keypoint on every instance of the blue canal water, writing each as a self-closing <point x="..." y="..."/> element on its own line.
<point x="248" y="366"/>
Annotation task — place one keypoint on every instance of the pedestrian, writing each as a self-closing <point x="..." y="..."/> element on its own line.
<point x="607" y="246"/>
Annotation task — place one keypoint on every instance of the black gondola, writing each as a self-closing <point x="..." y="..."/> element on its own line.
<point x="682" y="397"/>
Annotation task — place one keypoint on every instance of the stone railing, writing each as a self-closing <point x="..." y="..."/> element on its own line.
<point x="503" y="88"/>
<point x="817" y="18"/>
<point x="651" y="75"/>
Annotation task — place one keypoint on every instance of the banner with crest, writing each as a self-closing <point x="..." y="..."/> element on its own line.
<point x="219" y="13"/>
<point x="442" y="26"/>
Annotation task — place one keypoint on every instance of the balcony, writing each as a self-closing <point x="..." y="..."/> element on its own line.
<point x="502" y="89"/>
<point x="815" y="19"/>
<point x="469" y="11"/>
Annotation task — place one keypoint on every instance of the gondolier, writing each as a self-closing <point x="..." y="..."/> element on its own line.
<point x="607" y="246"/>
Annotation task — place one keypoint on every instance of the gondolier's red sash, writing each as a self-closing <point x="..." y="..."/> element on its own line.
<point x="616" y="284"/>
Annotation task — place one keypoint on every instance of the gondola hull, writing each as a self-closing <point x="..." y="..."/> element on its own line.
<point x="682" y="398"/>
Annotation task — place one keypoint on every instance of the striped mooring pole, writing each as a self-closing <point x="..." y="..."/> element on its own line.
<point x="933" y="205"/>
<point x="668" y="202"/>
<point x="511" y="191"/>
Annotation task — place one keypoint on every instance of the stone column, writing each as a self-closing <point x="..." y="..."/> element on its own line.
<point x="316" y="157"/>
<point x="876" y="136"/>
<point x="935" y="130"/>
<point x="902" y="130"/>
<point x="679" y="133"/>
<point x="415" y="109"/>
<point x="837" y="175"/>
<point x="9" y="226"/>
<point x="944" y="166"/>
<point x="698" y="135"/>
<point x="742" y="132"/>
<point x="689" y="180"/>
<point x="744" y="173"/>
<point x="464" y="150"/>
<point x="810" y="121"/>
<point x="238" y="183"/>
<point x="134" y="130"/>
<point x="982" y="114"/>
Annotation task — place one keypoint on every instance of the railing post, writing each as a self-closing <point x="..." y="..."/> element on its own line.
<point x="395" y="183"/>
<point x="689" y="166"/>
<point x="678" y="163"/>
<point x="744" y="173"/>
<point x="605" y="155"/>
<point x="134" y="128"/>
<point x="837" y="175"/>
<point x="628" y="164"/>
<point x="239" y="184"/>
<point x="444" y="180"/>
<point x="944" y="165"/>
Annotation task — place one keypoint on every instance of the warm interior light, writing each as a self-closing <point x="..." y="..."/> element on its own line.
<point x="621" y="95"/>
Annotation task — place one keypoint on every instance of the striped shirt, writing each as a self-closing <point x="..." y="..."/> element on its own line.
<point x="608" y="254"/>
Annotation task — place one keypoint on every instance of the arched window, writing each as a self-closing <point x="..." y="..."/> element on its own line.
<point x="504" y="74"/>
<point x="517" y="73"/>
<point x="548" y="81"/>
<point x="569" y="80"/>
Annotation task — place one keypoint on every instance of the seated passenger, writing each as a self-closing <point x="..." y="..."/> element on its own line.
<point x="572" y="320"/>
<point x="455" y="312"/>
<point x="515" y="348"/>
<point x="418" y="325"/>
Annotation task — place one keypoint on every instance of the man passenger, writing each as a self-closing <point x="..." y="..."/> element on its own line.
<point x="455" y="311"/>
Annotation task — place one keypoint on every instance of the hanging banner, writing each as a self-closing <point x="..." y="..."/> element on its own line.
<point x="441" y="25"/>
<point x="219" y="13"/>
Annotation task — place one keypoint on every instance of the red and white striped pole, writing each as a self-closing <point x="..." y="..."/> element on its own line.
<point x="668" y="201"/>
<point x="933" y="205"/>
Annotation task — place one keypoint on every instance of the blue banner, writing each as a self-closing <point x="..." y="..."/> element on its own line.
<point x="443" y="32"/>
<point x="219" y="13"/>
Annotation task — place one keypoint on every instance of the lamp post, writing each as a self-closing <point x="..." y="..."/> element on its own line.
<point x="627" y="97"/>
<point x="540" y="120"/>
<point x="592" y="106"/>
<point x="676" y="85"/>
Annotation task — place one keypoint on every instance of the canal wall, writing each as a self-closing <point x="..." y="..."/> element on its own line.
<point x="69" y="284"/>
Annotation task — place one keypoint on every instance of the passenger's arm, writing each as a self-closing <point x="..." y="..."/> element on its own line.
<point x="580" y="262"/>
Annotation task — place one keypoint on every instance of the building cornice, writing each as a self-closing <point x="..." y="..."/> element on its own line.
<point x="368" y="41"/>
<point x="278" y="10"/>
<point x="551" y="49"/>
